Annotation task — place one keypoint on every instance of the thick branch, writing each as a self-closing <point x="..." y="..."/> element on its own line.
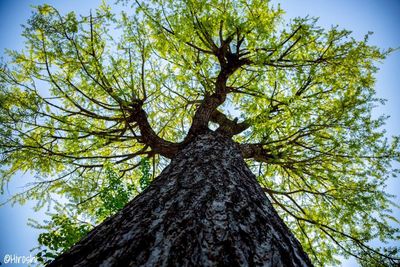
<point x="256" y="152"/>
<point x="213" y="101"/>
<point x="148" y="136"/>
<point x="227" y="126"/>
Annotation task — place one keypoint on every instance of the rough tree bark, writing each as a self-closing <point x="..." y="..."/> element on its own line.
<point x="205" y="209"/>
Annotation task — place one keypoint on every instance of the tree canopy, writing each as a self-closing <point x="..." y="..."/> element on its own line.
<point x="95" y="105"/>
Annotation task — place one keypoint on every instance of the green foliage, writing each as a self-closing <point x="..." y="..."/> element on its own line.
<point x="68" y="114"/>
<point x="62" y="231"/>
<point x="145" y="180"/>
<point x="114" y="195"/>
<point x="72" y="221"/>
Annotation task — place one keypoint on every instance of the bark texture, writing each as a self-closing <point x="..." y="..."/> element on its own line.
<point x="205" y="209"/>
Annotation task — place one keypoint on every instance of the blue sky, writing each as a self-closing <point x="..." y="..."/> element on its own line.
<point x="382" y="17"/>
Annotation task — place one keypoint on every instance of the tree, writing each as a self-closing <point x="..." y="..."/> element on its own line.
<point x="98" y="105"/>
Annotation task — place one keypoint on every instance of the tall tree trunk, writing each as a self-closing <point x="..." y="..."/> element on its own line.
<point x="205" y="209"/>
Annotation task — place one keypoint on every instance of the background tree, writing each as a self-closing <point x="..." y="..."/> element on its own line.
<point x="85" y="99"/>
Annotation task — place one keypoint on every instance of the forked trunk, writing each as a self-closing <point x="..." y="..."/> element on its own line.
<point x="205" y="209"/>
